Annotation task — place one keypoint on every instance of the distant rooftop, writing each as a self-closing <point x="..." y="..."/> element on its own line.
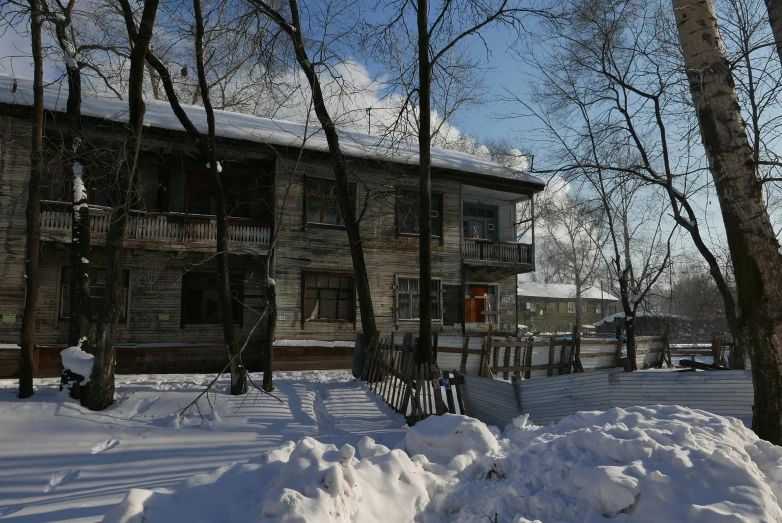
<point x="561" y="291"/>
<point x="265" y="130"/>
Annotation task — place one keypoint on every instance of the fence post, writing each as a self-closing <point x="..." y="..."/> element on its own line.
<point x="618" y="360"/>
<point x="506" y="359"/>
<point x="528" y="358"/>
<point x="449" y="392"/>
<point x="665" y="352"/>
<point x="465" y="354"/>
<point x="486" y="368"/>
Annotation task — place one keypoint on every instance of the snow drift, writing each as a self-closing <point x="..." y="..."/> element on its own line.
<point x="637" y="464"/>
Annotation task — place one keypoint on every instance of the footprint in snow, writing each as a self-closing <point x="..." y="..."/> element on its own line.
<point x="105" y="445"/>
<point x="143" y="406"/>
<point x="60" y="478"/>
<point x="5" y="511"/>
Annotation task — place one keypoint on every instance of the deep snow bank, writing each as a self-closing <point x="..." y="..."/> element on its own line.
<point x="638" y="464"/>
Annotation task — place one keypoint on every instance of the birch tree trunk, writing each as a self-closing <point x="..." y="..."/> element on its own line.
<point x="33" y="213"/>
<point x="774" y="8"/>
<point x="757" y="259"/>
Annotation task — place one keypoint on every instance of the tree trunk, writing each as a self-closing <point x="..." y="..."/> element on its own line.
<point x="270" y="325"/>
<point x="346" y="203"/>
<point x="27" y="369"/>
<point x="238" y="373"/>
<point x="100" y="390"/>
<point x="774" y="8"/>
<point x="755" y="251"/>
<point x="80" y="326"/>
<point x="425" y="185"/>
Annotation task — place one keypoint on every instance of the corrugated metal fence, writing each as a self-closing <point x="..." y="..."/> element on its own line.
<point x="728" y="393"/>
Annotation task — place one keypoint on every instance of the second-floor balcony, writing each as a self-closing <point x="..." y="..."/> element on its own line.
<point x="158" y="230"/>
<point x="476" y="251"/>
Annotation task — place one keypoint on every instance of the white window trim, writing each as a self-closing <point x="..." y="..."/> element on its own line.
<point x="397" y="319"/>
<point x="571" y="307"/>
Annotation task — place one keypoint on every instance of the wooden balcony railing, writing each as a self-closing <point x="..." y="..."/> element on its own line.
<point x="151" y="227"/>
<point x="495" y="251"/>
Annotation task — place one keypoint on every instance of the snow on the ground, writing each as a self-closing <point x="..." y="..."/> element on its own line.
<point x="332" y="452"/>
<point x="61" y="462"/>
<point x="643" y="464"/>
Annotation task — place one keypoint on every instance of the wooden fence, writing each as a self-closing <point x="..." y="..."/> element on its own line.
<point x="414" y="390"/>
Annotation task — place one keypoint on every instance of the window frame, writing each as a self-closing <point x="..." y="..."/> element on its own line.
<point x="571" y="307"/>
<point x="438" y="294"/>
<point x="238" y="312"/>
<point x="437" y="232"/>
<point x="333" y="184"/>
<point x="305" y="288"/>
<point x="66" y="282"/>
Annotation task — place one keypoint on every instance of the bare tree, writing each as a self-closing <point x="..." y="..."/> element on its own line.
<point x="100" y="389"/>
<point x="33" y="210"/>
<point x="293" y="28"/>
<point x="756" y="252"/>
<point x="60" y="16"/>
<point x="574" y="231"/>
<point x="436" y="60"/>
<point x="609" y="81"/>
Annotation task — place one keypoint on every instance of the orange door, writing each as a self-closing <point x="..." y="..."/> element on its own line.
<point x="475" y="304"/>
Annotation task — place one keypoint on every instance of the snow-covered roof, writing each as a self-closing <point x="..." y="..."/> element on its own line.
<point x="263" y="130"/>
<point x="561" y="291"/>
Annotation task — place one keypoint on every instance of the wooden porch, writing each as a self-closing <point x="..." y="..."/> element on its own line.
<point x="157" y="230"/>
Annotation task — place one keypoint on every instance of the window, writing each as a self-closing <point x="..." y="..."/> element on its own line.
<point x="236" y="191"/>
<point x="408" y="299"/>
<point x="532" y="306"/>
<point x="321" y="202"/>
<point x="97" y="292"/>
<point x="545" y="307"/>
<point x="597" y="309"/>
<point x="571" y="307"/>
<point x="200" y="301"/>
<point x="408" y="209"/>
<point x="328" y="297"/>
<point x="557" y="306"/>
<point x="584" y="308"/>
<point x="480" y="221"/>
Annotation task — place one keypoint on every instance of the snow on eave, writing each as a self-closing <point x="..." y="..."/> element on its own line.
<point x="561" y="291"/>
<point x="265" y="130"/>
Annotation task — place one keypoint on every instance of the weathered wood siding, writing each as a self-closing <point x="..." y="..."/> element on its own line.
<point x="156" y="285"/>
<point x="14" y="171"/>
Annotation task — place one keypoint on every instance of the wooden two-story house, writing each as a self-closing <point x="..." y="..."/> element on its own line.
<point x="275" y="173"/>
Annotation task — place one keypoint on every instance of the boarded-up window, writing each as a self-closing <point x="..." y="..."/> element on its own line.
<point x="200" y="299"/>
<point x="408" y="300"/>
<point x="408" y="209"/>
<point x="328" y="297"/>
<point x="321" y="202"/>
<point x="97" y="292"/>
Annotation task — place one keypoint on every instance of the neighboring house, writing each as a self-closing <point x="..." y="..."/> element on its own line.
<point x="550" y="307"/>
<point x="169" y="276"/>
